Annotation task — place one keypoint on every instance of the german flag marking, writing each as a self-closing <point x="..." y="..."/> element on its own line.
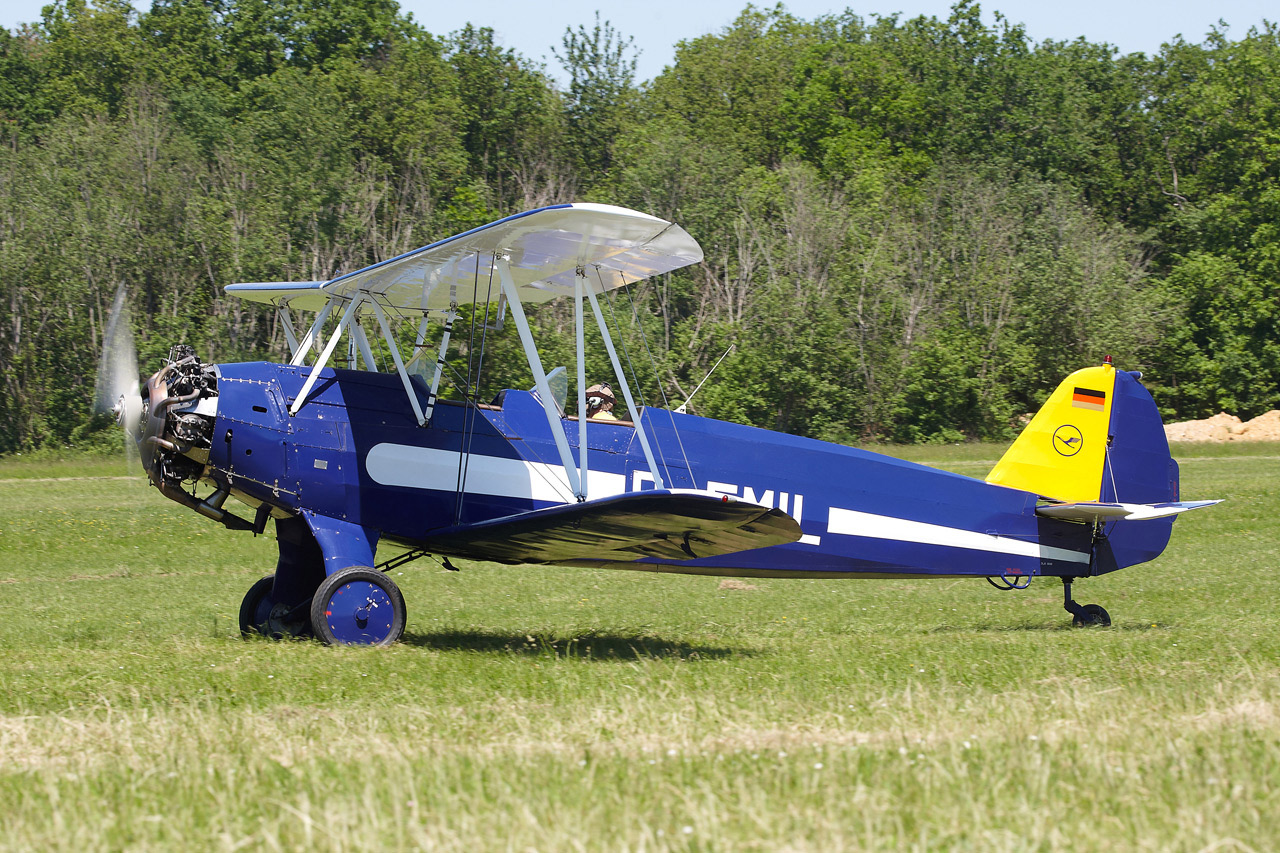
<point x="1087" y="398"/>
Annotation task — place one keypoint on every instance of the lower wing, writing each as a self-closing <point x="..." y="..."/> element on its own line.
<point x="671" y="525"/>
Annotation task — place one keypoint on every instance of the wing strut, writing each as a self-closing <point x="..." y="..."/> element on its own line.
<point x="309" y="340"/>
<point x="328" y="349"/>
<point x="503" y="263"/>
<point x="362" y="342"/>
<point x="395" y="356"/>
<point x="286" y="322"/>
<point x="440" y="362"/>
<point x="350" y="320"/>
<point x="579" y="285"/>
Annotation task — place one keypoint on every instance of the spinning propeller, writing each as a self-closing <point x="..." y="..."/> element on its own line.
<point x="116" y="390"/>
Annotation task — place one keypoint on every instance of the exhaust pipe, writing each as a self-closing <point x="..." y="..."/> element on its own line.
<point x="210" y="507"/>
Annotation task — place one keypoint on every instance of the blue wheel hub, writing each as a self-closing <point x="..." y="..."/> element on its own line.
<point x="359" y="612"/>
<point x="358" y="606"/>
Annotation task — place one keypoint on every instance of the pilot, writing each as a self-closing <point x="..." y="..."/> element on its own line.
<point x="600" y="402"/>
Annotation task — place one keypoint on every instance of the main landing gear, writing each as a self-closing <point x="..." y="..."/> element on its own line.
<point x="261" y="613"/>
<point x="352" y="606"/>
<point x="358" y="605"/>
<point x="1083" y="615"/>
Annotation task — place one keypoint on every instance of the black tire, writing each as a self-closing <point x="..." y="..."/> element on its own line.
<point x="261" y="615"/>
<point x="358" y="606"/>
<point x="1092" y="616"/>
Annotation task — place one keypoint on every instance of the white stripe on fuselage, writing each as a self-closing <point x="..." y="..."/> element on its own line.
<point x="853" y="523"/>
<point x="428" y="468"/>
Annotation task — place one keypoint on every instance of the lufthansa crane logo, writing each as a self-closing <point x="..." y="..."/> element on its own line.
<point x="1067" y="440"/>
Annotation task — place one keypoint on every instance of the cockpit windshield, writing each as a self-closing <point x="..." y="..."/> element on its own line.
<point x="558" y="382"/>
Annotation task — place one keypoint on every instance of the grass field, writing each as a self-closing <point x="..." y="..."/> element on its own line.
<point x="568" y="709"/>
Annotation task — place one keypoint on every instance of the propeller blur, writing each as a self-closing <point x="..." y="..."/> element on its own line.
<point x="116" y="390"/>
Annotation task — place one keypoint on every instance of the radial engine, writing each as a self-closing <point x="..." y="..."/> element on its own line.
<point x="175" y="431"/>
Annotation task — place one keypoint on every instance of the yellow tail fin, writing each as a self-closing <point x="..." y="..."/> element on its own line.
<point x="1062" y="453"/>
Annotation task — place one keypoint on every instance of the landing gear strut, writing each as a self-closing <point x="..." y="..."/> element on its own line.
<point x="1083" y="615"/>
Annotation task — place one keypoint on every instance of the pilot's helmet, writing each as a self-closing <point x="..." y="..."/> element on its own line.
<point x="600" y="398"/>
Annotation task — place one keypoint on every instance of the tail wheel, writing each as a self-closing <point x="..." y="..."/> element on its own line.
<point x="358" y="606"/>
<point x="1083" y="615"/>
<point x="1091" y="616"/>
<point x="261" y="614"/>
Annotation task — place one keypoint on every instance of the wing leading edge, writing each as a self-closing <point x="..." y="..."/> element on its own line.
<point x="664" y="524"/>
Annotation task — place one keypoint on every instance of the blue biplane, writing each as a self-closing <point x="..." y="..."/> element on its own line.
<point x="346" y="459"/>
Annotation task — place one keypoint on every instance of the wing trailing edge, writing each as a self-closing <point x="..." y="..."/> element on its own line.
<point x="660" y="523"/>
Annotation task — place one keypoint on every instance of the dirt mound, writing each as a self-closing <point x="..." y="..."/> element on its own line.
<point x="1224" y="427"/>
<point x="1220" y="427"/>
<point x="1262" y="428"/>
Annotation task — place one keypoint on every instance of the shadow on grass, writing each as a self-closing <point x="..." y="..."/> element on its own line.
<point x="1046" y="627"/>
<point x="587" y="646"/>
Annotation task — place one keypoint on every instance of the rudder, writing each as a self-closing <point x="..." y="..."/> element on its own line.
<point x="1099" y="438"/>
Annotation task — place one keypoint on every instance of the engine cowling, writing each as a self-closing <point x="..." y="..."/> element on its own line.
<point x="176" y="428"/>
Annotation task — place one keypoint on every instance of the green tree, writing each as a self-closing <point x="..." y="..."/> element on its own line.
<point x="602" y="67"/>
<point x="508" y="107"/>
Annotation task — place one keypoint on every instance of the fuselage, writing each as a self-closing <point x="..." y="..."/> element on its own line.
<point x="355" y="453"/>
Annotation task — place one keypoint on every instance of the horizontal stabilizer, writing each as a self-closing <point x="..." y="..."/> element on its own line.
<point x="658" y="523"/>
<point x="1095" y="512"/>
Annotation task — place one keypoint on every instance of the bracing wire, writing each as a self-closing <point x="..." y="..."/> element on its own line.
<point x="635" y="321"/>
<point x="666" y="404"/>
<point x="471" y="395"/>
<point x="1111" y="472"/>
<point x="471" y="354"/>
<point x="635" y="379"/>
<point x="626" y="351"/>
<point x="395" y="320"/>
<point x="472" y="412"/>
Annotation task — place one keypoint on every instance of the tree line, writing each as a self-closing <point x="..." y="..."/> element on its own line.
<point x="913" y="227"/>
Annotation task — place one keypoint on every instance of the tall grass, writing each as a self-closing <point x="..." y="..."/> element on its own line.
<point x="568" y="709"/>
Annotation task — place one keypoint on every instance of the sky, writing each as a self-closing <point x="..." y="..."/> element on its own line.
<point x="532" y="28"/>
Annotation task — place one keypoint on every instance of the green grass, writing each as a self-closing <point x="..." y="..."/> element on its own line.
<point x="568" y="709"/>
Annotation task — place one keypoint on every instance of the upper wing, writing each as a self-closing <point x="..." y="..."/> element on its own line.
<point x="1094" y="512"/>
<point x="663" y="524"/>
<point x="307" y="295"/>
<point x="616" y="246"/>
